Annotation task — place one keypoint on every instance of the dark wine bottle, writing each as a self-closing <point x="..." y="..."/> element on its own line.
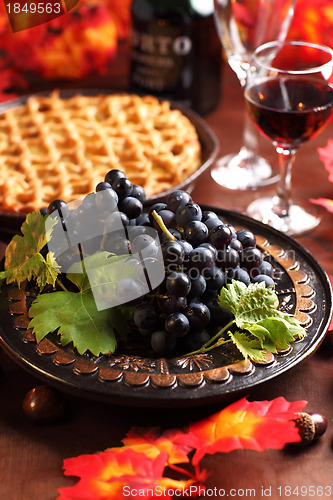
<point x="176" y="53"/>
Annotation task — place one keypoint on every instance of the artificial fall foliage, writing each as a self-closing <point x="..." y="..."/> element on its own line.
<point x="141" y="463"/>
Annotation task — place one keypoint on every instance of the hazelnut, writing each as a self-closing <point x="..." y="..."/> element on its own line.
<point x="43" y="405"/>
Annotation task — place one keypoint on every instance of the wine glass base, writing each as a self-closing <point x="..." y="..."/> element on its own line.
<point x="299" y="220"/>
<point x="243" y="171"/>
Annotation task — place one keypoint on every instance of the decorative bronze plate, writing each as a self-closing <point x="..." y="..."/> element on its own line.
<point x="303" y="289"/>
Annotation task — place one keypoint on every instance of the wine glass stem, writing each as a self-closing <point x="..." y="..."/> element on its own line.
<point x="282" y="200"/>
<point x="250" y="139"/>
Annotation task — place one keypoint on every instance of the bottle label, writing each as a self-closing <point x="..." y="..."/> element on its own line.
<point x="158" y="57"/>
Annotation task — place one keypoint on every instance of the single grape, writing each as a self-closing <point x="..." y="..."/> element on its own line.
<point x="123" y="187"/>
<point x="187" y="213"/>
<point x="145" y="316"/>
<point x="238" y="274"/>
<point x="266" y="268"/>
<point x="250" y="258"/>
<point x="168" y="218"/>
<point x="173" y="254"/>
<point x="177" y="199"/>
<point x="177" y="234"/>
<point x="139" y="193"/>
<point x="162" y="342"/>
<point x="198" y="286"/>
<point x="106" y="200"/>
<point x="43" y="211"/>
<point x="114" y="176"/>
<point x="170" y="303"/>
<point x="178" y="283"/>
<point x="115" y="221"/>
<point x="132" y="207"/>
<point x="89" y="199"/>
<point x="201" y="258"/>
<point x="208" y="214"/>
<point x="59" y="205"/>
<point x="246" y="238"/>
<point x="143" y="220"/>
<point x="236" y="245"/>
<point x="211" y="223"/>
<point x="215" y="278"/>
<point x="117" y="245"/>
<point x="210" y="247"/>
<point x="220" y="236"/>
<point x="145" y="244"/>
<point x="102" y="185"/>
<point x="195" y="232"/>
<point x="269" y="282"/>
<point x="157" y="207"/>
<point x="227" y="258"/>
<point x="177" y="324"/>
<point x="198" y="314"/>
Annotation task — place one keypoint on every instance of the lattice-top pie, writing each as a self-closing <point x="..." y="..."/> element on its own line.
<point x="54" y="148"/>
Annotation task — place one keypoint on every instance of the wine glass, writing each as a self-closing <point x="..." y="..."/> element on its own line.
<point x="289" y="96"/>
<point x="242" y="26"/>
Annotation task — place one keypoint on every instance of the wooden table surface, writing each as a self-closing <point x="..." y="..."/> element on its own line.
<point x="31" y="455"/>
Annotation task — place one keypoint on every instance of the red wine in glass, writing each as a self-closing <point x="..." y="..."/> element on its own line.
<point x="290" y="110"/>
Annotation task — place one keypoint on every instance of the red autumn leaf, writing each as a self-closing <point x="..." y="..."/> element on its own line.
<point x="152" y="441"/>
<point x="107" y="476"/>
<point x="254" y="425"/>
<point x="324" y="202"/>
<point x="326" y="155"/>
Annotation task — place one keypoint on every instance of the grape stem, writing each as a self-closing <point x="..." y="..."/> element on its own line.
<point x="160" y="222"/>
<point x="61" y="285"/>
<point x="208" y="347"/>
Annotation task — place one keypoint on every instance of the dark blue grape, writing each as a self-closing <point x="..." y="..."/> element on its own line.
<point x="176" y="199"/>
<point x="215" y="278"/>
<point x="219" y="315"/>
<point x="227" y="258"/>
<point x="178" y="283"/>
<point x="269" y="282"/>
<point x="59" y="205"/>
<point x="238" y="274"/>
<point x="157" y="207"/>
<point x="211" y="223"/>
<point x="162" y="342"/>
<point x="114" y="175"/>
<point x="145" y="316"/>
<point x="236" y="245"/>
<point x="139" y="193"/>
<point x="198" y="314"/>
<point x="173" y="254"/>
<point x="246" y="238"/>
<point x="187" y="213"/>
<point x="123" y="187"/>
<point x="250" y="258"/>
<point x="106" y="200"/>
<point x="201" y="258"/>
<point x="117" y="245"/>
<point x="143" y="220"/>
<point x="170" y="303"/>
<point x="128" y="290"/>
<point x="220" y="236"/>
<point x="145" y="244"/>
<point x="168" y="218"/>
<point x="43" y="211"/>
<point x="266" y="268"/>
<point x="195" y="232"/>
<point x="198" y="286"/>
<point x="102" y="185"/>
<point x="195" y="340"/>
<point x="115" y="221"/>
<point x="177" y="324"/>
<point x="208" y="214"/>
<point x="132" y="207"/>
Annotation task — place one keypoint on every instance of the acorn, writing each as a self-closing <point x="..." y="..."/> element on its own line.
<point x="311" y="426"/>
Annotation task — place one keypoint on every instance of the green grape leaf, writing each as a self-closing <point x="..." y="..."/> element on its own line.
<point x="23" y="260"/>
<point x="76" y="319"/>
<point x="255" y="310"/>
<point x="74" y="315"/>
<point x="249" y="348"/>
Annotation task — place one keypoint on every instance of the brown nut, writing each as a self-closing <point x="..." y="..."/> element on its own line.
<point x="311" y="426"/>
<point x="43" y="405"/>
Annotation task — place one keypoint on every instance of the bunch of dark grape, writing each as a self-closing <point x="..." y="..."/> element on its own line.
<point x="201" y="254"/>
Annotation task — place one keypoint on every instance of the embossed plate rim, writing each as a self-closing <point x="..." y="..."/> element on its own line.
<point x="121" y="392"/>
